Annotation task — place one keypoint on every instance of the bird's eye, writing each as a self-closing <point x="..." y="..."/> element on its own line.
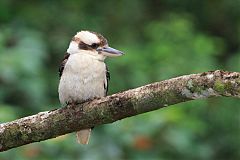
<point x="94" y="45"/>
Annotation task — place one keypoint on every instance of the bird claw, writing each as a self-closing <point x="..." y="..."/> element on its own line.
<point x="80" y="102"/>
<point x="87" y="100"/>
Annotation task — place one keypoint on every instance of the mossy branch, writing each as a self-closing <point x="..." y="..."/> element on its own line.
<point x="50" y="124"/>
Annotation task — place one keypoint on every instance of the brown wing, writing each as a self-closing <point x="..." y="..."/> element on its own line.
<point x="62" y="65"/>
<point x="107" y="80"/>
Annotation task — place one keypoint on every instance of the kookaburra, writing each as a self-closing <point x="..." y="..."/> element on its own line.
<point x="83" y="73"/>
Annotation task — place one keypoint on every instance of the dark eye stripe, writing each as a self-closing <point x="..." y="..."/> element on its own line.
<point x="85" y="46"/>
<point x="94" y="45"/>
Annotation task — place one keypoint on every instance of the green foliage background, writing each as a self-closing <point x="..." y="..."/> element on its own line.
<point x="161" y="39"/>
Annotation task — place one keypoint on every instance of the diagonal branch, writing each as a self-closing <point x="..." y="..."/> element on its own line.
<point x="50" y="124"/>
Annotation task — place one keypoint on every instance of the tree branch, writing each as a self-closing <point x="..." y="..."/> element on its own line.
<point x="50" y="124"/>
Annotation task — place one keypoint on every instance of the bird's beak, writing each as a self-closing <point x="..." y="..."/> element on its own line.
<point x="109" y="52"/>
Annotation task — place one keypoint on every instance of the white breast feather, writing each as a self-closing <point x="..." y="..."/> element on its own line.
<point x="83" y="78"/>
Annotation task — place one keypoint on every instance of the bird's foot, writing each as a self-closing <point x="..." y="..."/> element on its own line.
<point x="86" y="100"/>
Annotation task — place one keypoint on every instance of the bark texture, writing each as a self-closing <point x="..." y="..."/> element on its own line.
<point x="50" y="124"/>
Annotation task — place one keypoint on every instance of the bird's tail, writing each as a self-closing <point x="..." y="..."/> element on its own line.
<point x="83" y="136"/>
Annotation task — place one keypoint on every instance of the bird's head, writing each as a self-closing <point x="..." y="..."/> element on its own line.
<point x="92" y="43"/>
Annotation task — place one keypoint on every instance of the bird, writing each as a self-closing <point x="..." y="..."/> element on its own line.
<point x="83" y="72"/>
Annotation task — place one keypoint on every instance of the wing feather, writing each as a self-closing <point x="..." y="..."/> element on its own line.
<point x="106" y="81"/>
<point x="62" y="65"/>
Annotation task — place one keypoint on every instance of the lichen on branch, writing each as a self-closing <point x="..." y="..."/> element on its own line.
<point x="50" y="124"/>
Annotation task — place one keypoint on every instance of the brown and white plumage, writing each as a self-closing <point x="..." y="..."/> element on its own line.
<point x="83" y="73"/>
